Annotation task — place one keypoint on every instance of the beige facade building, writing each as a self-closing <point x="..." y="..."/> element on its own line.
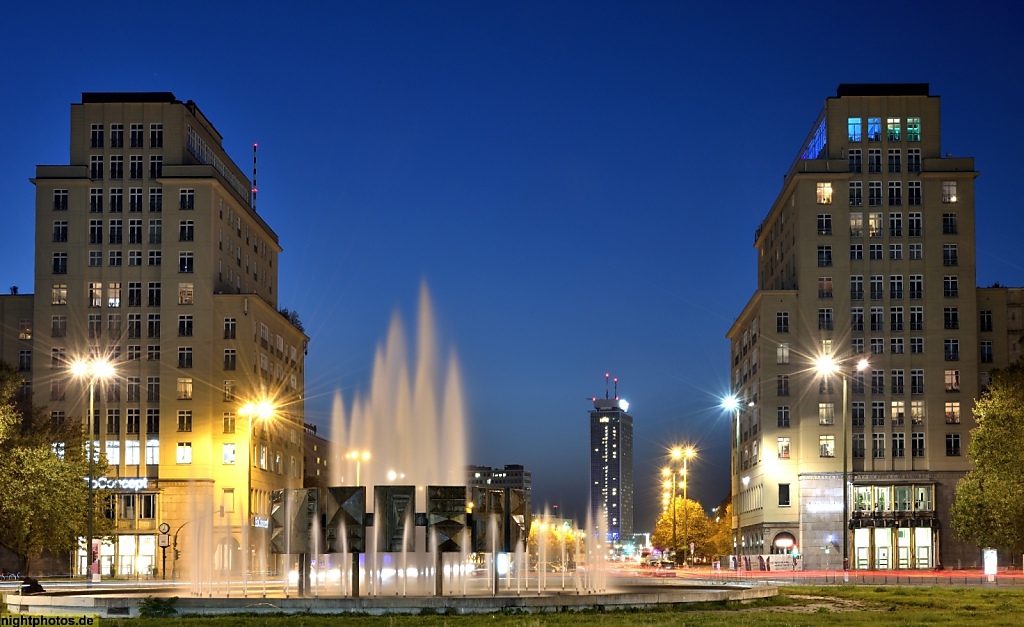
<point x="149" y="253"/>
<point x="866" y="255"/>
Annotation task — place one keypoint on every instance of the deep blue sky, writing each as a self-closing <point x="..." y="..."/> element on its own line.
<point x="579" y="183"/>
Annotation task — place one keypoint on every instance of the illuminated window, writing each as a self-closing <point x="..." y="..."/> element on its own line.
<point x="874" y="129"/>
<point x="893" y="128"/>
<point x="948" y="191"/>
<point x="826" y="414"/>
<point x="913" y="129"/>
<point x="184" y="453"/>
<point x="853" y="126"/>
<point x="228" y="453"/>
<point x="185" y="388"/>
<point x="826" y="446"/>
<point x="952" y="412"/>
<point x="824" y="192"/>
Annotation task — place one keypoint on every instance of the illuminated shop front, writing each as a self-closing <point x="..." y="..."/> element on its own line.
<point x="894" y="527"/>
<point x="131" y="550"/>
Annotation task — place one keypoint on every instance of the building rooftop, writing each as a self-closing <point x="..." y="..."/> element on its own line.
<point x="882" y="89"/>
<point x="127" y="96"/>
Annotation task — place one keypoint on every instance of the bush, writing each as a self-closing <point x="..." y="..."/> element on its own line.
<point x="153" y="607"/>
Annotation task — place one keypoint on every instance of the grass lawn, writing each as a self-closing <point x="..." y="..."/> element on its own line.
<point x="799" y="605"/>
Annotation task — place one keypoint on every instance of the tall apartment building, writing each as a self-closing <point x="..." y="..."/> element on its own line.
<point x="611" y="467"/>
<point x="148" y="252"/>
<point x="867" y="253"/>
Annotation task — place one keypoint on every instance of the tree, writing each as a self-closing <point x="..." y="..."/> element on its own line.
<point x="720" y="542"/>
<point x="691" y="525"/>
<point x="293" y="318"/>
<point x="43" y="497"/>
<point x="988" y="508"/>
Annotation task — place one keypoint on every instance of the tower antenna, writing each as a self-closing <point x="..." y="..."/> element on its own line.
<point x="616" y="388"/>
<point x="606" y="386"/>
<point x="254" y="146"/>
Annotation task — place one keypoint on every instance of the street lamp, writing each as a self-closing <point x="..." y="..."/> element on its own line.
<point x="358" y="457"/>
<point x="253" y="410"/>
<point x="827" y="365"/>
<point x="670" y="484"/>
<point x="94" y="370"/>
<point x="685" y="454"/>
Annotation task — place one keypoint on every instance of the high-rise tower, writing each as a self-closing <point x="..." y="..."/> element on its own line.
<point x="611" y="466"/>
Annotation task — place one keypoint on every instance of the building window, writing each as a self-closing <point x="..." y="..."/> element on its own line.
<point x="952" y="444"/>
<point x="154" y="294"/>
<point x="856" y="251"/>
<point x="781" y="322"/>
<point x="153" y="453"/>
<point x="60" y="263"/>
<point x="782" y="416"/>
<point x="857" y="319"/>
<point x="875" y="225"/>
<point x="228" y="453"/>
<point x="184" y="453"/>
<point x="913" y="129"/>
<point x="152" y="421"/>
<point x="894" y="160"/>
<point x="893" y="127"/>
<point x="952" y="349"/>
<point x="856" y="224"/>
<point x="824" y="193"/>
<point x="60" y="200"/>
<point x="58" y="326"/>
<point x="874" y="129"/>
<point x="824" y="287"/>
<point x="914" y="160"/>
<point x="857" y="412"/>
<point x="915" y="251"/>
<point x="916" y="285"/>
<point x="185" y="326"/>
<point x="184" y="388"/>
<point x="874" y="160"/>
<point x="132" y="453"/>
<point x="949" y="255"/>
<point x="156" y="167"/>
<point x="898" y="444"/>
<point x="826" y="414"/>
<point x="185" y="261"/>
<point x="229" y="358"/>
<point x="186" y="231"/>
<point x="917" y="445"/>
<point x="952" y="380"/>
<point x="184" y="357"/>
<point x="96" y="136"/>
<point x="878" y="445"/>
<point x="186" y="293"/>
<point x="952" y="412"/>
<point x="155" y="257"/>
<point x="826" y="446"/>
<point x="153" y="389"/>
<point x="95" y="294"/>
<point x="895" y="252"/>
<point x="782" y="385"/>
<point x="950" y="285"/>
<point x="824" y="224"/>
<point x="184" y="420"/>
<point x="896" y="377"/>
<point x="917" y="381"/>
<point x="824" y="256"/>
<point x="857" y="446"/>
<point x="825" y="319"/>
<point x="877" y="319"/>
<point x="895" y="193"/>
<point x="853" y="128"/>
<point x="135" y="169"/>
<point x="855" y="160"/>
<point x="153" y="326"/>
<point x="187" y="199"/>
<point x="914" y="193"/>
<point x="60" y="231"/>
<point x="951" y="317"/>
<point x="784" y="489"/>
<point x="229" y="390"/>
<point x="896" y="346"/>
<point x="156" y="135"/>
<point x="116" y="167"/>
<point x="948" y="191"/>
<point x="156" y="199"/>
<point x="986" y="352"/>
<point x="229" y="422"/>
<point x="896" y="287"/>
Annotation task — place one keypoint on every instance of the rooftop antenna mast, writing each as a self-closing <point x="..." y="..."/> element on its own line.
<point x="254" y="146"/>
<point x="616" y="379"/>
<point x="606" y="386"/>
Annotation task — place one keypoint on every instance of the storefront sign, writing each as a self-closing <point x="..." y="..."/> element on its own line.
<point x="132" y="484"/>
<point x="260" y="523"/>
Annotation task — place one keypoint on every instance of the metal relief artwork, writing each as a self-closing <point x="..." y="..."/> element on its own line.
<point x="488" y="519"/>
<point x="395" y="517"/>
<point x="446" y="518"/>
<point x="291" y="513"/>
<point x="344" y="528"/>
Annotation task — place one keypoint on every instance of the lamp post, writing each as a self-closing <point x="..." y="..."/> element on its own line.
<point x="358" y="457"/>
<point x="825" y="366"/>
<point x="685" y="454"/>
<point x="253" y="410"/>
<point x="94" y="369"/>
<point x="670" y="483"/>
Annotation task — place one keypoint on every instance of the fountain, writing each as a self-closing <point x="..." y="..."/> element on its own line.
<point x="365" y="545"/>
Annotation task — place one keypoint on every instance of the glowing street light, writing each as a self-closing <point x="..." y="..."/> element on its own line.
<point x="827" y="365"/>
<point x="685" y="454"/>
<point x="258" y="410"/>
<point x="358" y="457"/>
<point x="94" y="370"/>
